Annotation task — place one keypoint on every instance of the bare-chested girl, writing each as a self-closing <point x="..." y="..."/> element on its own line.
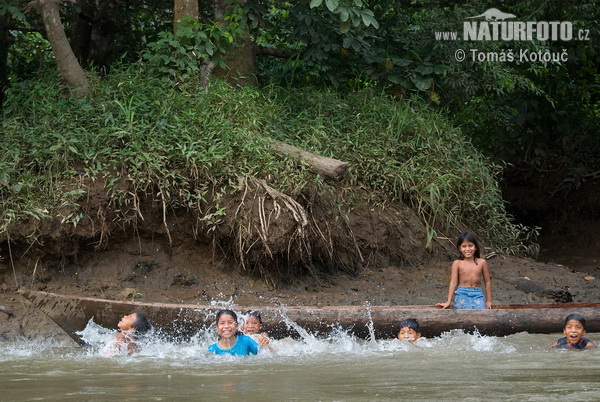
<point x="465" y="282"/>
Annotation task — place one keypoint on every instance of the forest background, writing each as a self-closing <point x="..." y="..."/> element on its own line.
<point x="172" y="121"/>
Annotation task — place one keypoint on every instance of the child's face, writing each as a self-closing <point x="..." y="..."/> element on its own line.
<point x="574" y="331"/>
<point x="127" y="322"/>
<point x="251" y="326"/>
<point x="408" y="334"/>
<point x="467" y="249"/>
<point x="226" y="326"/>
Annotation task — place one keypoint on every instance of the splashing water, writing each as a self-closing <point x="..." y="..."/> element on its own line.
<point x="370" y="324"/>
<point x="333" y="366"/>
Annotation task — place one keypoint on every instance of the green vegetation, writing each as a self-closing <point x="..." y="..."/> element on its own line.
<point x="185" y="149"/>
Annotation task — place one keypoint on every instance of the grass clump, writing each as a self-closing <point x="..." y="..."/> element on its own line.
<point x="187" y="148"/>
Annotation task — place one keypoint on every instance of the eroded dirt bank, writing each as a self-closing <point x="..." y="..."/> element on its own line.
<point x="374" y="255"/>
<point x="150" y="270"/>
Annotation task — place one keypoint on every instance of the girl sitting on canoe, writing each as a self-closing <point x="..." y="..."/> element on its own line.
<point x="465" y="281"/>
<point x="131" y="328"/>
<point x="574" y="331"/>
<point x="231" y="341"/>
<point x="409" y="330"/>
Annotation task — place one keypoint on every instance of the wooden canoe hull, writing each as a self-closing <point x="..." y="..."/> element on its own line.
<point x="180" y="321"/>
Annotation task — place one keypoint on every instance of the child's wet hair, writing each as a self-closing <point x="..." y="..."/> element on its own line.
<point x="411" y="323"/>
<point x="228" y="312"/>
<point x="141" y="324"/>
<point x="575" y="317"/>
<point x="255" y="314"/>
<point x="470" y="237"/>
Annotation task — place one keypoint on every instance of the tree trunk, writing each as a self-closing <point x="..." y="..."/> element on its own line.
<point x="240" y="60"/>
<point x="184" y="8"/>
<point x="6" y="40"/>
<point x="68" y="66"/>
<point x="82" y="30"/>
<point x="94" y="32"/>
<point x="328" y="167"/>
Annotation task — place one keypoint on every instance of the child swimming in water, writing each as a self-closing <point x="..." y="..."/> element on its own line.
<point x="131" y="328"/>
<point x="231" y="341"/>
<point x="252" y="327"/>
<point x="409" y="330"/>
<point x="467" y="272"/>
<point x="574" y="331"/>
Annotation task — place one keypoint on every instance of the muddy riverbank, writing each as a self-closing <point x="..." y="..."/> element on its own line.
<point x="145" y="270"/>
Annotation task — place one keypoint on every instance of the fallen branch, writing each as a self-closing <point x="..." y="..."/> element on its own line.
<point x="328" y="167"/>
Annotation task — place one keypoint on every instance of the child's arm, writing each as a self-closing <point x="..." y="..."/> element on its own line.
<point x="263" y="340"/>
<point x="453" y="285"/>
<point x="488" y="283"/>
<point x="590" y="345"/>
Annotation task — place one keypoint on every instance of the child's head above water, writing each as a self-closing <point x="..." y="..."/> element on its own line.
<point x="227" y="323"/>
<point x="575" y="317"/>
<point x="466" y="238"/>
<point x="136" y="323"/>
<point x="253" y="323"/>
<point x="141" y="324"/>
<point x="574" y="328"/>
<point x="409" y="330"/>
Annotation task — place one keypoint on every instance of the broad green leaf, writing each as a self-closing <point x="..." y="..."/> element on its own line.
<point x="315" y="3"/>
<point x="422" y="69"/>
<point x="422" y="83"/>
<point x="344" y="15"/>
<point x="440" y="69"/>
<point x="369" y="20"/>
<point x="401" y="62"/>
<point x="332" y="5"/>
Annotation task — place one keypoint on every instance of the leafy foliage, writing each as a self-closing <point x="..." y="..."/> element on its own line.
<point x="180" y="55"/>
<point x="541" y="116"/>
<point x="126" y="133"/>
<point x="9" y="9"/>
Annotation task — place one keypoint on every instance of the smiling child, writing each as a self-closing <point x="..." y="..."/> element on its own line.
<point x="574" y="331"/>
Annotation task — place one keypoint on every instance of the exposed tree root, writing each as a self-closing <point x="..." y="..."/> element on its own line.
<point x="256" y="227"/>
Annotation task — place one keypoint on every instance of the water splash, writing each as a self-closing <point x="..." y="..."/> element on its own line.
<point x="338" y="341"/>
<point x="370" y="324"/>
<point x="306" y="336"/>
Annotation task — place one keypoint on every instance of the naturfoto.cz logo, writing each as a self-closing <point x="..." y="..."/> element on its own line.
<point x="495" y="27"/>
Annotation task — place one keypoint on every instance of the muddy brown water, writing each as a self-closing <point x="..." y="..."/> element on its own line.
<point x="454" y="366"/>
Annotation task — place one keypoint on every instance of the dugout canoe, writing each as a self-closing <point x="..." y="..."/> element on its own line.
<point x="180" y="321"/>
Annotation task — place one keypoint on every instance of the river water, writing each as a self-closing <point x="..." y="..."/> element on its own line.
<point x="454" y="366"/>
